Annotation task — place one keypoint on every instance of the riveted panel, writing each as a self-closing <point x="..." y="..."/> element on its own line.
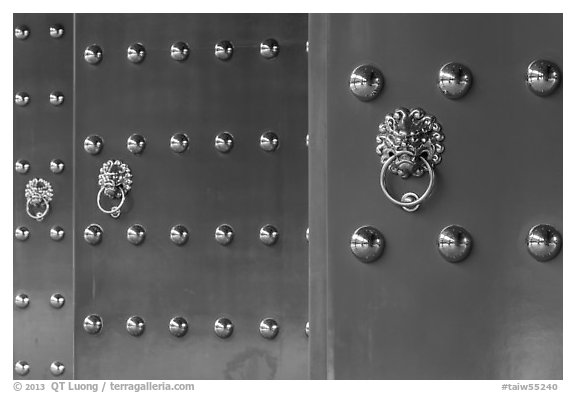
<point x="43" y="149"/>
<point x="179" y="104"/>
<point x="489" y="312"/>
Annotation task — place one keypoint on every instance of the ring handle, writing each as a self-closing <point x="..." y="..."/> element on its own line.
<point x="410" y="205"/>
<point x="115" y="210"/>
<point x="40" y="215"/>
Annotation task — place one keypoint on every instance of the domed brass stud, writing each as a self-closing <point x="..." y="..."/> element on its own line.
<point x="179" y="234"/>
<point x="544" y="242"/>
<point x="366" y="82"/>
<point x="454" y="80"/>
<point x="136" y="53"/>
<point x="93" y="144"/>
<point x="56" y="166"/>
<point x="269" y="328"/>
<point x="178" y="326"/>
<point x="454" y="243"/>
<point x="21" y="32"/>
<point x="56" y="31"/>
<point x="269" y="235"/>
<point x="224" y="234"/>
<point x="179" y="51"/>
<point x="224" y="142"/>
<point x="136" y="144"/>
<point x="93" y="324"/>
<point x="56" y="233"/>
<point x="367" y="244"/>
<point x="93" y="54"/>
<point x="22" y="166"/>
<point x="57" y="368"/>
<point x="21" y="98"/>
<point x="269" y="48"/>
<point x="136" y="234"/>
<point x="56" y="98"/>
<point x="269" y="141"/>
<point x="21" y="300"/>
<point x="224" y="50"/>
<point x="21" y="233"/>
<point x="93" y="234"/>
<point x="307" y="329"/>
<point x="543" y="77"/>
<point x="179" y="143"/>
<point x="135" y="326"/>
<point x="21" y="368"/>
<point x="223" y="327"/>
<point x="57" y="300"/>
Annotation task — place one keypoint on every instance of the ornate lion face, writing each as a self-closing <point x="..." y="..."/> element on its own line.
<point x="113" y="176"/>
<point x="38" y="191"/>
<point x="413" y="132"/>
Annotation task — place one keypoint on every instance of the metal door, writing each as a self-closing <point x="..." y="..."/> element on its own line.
<point x="204" y="273"/>
<point x="411" y="314"/>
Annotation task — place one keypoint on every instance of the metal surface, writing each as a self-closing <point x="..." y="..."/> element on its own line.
<point x="21" y="368"/>
<point x="454" y="80"/>
<point x="366" y="82"/>
<point x="367" y="244"/>
<point x="544" y="242"/>
<point x="198" y="189"/>
<point x="454" y="243"/>
<point x="498" y="314"/>
<point x="543" y="77"/>
<point x="178" y="326"/>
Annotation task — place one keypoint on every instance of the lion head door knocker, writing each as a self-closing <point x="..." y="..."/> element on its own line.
<point x="410" y="144"/>
<point x="115" y="181"/>
<point x="38" y="194"/>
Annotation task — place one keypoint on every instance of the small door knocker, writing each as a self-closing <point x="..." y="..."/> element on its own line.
<point x="115" y="181"/>
<point x="38" y="194"/>
<point x="410" y="144"/>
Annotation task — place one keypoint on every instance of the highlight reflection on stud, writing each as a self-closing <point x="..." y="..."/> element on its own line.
<point x="56" y="233"/>
<point x="544" y="242"/>
<point x="136" y="234"/>
<point x="224" y="234"/>
<point x="92" y="324"/>
<point x="543" y="77"/>
<point x="57" y="300"/>
<point x="179" y="143"/>
<point x="56" y="166"/>
<point x="136" y="53"/>
<point x="21" y="98"/>
<point x="224" y="50"/>
<point x="269" y="235"/>
<point x="21" y="368"/>
<point x="135" y="326"/>
<point x="179" y="234"/>
<point x="454" y="243"/>
<point x="56" y="31"/>
<point x="366" y="82"/>
<point x="269" y="328"/>
<point x="21" y="300"/>
<point x="21" y="32"/>
<point x="367" y="244"/>
<point x="269" y="141"/>
<point x="57" y="368"/>
<point x="224" y="142"/>
<point x="93" y="54"/>
<point x="179" y="51"/>
<point x="22" y="166"/>
<point x="93" y="234"/>
<point x="454" y="80"/>
<point x="178" y="326"/>
<point x="223" y="327"/>
<point x="93" y="144"/>
<point x="269" y="48"/>
<point x="21" y="233"/>
<point x="56" y="98"/>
